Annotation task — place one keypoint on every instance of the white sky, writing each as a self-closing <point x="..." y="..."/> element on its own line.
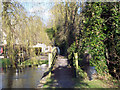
<point x="41" y="9"/>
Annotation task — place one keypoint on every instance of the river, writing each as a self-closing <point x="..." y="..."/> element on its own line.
<point x="21" y="78"/>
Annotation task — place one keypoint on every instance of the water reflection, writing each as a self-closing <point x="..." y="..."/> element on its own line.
<point x="26" y="78"/>
<point x="0" y="81"/>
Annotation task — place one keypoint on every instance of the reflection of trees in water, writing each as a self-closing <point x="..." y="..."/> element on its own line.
<point x="10" y="78"/>
<point x="25" y="78"/>
<point x="0" y="80"/>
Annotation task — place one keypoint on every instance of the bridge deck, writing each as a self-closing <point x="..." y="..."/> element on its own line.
<point x="62" y="74"/>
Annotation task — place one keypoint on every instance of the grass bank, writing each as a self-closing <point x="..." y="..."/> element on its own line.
<point x="33" y="62"/>
<point x="98" y="81"/>
<point x="5" y="62"/>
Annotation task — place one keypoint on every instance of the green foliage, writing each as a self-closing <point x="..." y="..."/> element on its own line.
<point x="112" y="36"/>
<point x="81" y="73"/>
<point x="33" y="62"/>
<point x="65" y="24"/>
<point x="22" y="31"/>
<point x="5" y="62"/>
<point x="100" y="27"/>
<point x="99" y="32"/>
<point x="93" y="34"/>
<point x="51" y="33"/>
<point x="71" y="50"/>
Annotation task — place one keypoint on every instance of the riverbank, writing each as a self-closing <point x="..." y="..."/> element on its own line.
<point x="99" y="82"/>
<point x="34" y="61"/>
<point x="4" y="62"/>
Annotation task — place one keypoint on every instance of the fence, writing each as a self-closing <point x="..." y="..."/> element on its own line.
<point x="52" y="57"/>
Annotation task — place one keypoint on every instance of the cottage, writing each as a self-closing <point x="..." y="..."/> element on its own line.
<point x="44" y="48"/>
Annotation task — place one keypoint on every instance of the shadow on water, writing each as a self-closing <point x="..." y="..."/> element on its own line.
<point x="63" y="77"/>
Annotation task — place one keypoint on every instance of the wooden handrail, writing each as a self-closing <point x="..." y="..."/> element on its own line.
<point x="52" y="58"/>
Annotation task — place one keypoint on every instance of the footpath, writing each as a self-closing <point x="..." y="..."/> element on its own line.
<point x="62" y="75"/>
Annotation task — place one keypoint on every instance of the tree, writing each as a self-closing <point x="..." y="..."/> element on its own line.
<point x="13" y="17"/>
<point x="65" y="24"/>
<point x="101" y="35"/>
<point x="10" y="17"/>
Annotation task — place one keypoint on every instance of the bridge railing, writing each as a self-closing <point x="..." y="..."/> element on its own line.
<point x="52" y="58"/>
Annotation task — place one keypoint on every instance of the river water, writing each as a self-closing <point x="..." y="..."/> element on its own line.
<point x="21" y="78"/>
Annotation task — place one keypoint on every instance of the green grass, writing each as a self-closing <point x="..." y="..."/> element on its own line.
<point x="4" y="62"/>
<point x="91" y="84"/>
<point x="49" y="83"/>
<point x="106" y="81"/>
<point x="95" y="83"/>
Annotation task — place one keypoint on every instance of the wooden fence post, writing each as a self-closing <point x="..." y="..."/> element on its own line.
<point x="50" y="61"/>
<point x="76" y="62"/>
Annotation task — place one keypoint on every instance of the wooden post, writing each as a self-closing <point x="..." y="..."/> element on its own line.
<point x="76" y="59"/>
<point x="76" y="62"/>
<point x="50" y="61"/>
